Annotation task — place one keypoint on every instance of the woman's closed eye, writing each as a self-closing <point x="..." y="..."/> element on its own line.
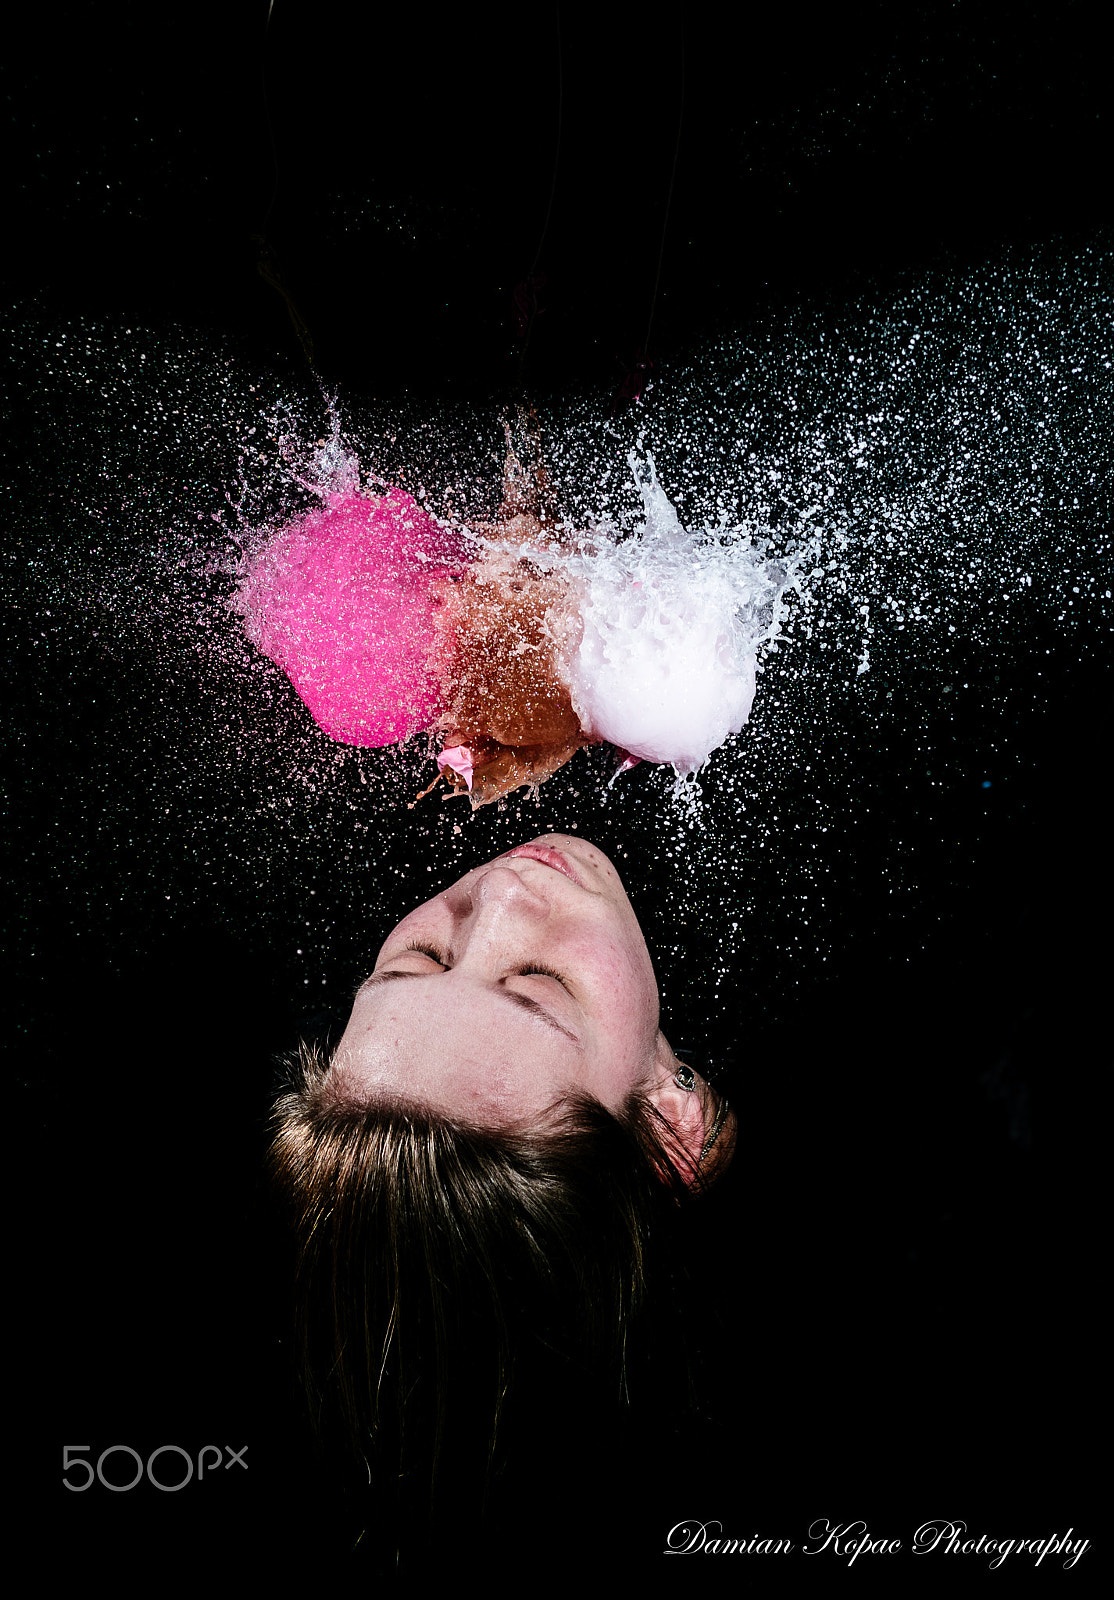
<point x="427" y="950"/>
<point x="444" y="960"/>
<point x="529" y="969"/>
<point x="537" y="969"/>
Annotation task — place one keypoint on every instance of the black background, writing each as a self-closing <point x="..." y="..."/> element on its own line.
<point x="902" y="1272"/>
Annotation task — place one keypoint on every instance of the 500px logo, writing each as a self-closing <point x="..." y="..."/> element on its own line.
<point x="210" y="1458"/>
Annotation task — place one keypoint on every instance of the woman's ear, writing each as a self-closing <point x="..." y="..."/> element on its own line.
<point x="682" y="1108"/>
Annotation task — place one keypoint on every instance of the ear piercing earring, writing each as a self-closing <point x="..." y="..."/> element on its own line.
<point x="717" y="1126"/>
<point x="685" y="1078"/>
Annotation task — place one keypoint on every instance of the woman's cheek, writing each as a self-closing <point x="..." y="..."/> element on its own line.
<point x="624" y="984"/>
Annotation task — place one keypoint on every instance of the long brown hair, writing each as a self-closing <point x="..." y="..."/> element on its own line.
<point x="438" y="1263"/>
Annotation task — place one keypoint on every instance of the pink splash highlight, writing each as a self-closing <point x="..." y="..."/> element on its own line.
<point x="626" y="762"/>
<point x="458" y="758"/>
<point x="343" y="600"/>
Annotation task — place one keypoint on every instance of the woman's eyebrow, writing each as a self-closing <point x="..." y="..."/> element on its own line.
<point x="526" y="1004"/>
<point x="385" y="977"/>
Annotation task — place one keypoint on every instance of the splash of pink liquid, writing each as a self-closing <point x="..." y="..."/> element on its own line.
<point x="343" y="601"/>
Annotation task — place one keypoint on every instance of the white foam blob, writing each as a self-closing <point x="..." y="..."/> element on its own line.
<point x="671" y="624"/>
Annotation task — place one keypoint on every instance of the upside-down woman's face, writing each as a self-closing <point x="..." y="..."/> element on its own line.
<point x="527" y="979"/>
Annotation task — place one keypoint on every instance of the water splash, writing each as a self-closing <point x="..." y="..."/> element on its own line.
<point x="932" y="470"/>
<point x="672" y="623"/>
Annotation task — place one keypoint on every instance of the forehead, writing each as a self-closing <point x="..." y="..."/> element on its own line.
<point x="460" y="1047"/>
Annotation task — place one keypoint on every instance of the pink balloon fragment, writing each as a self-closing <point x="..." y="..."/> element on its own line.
<point x="344" y="601"/>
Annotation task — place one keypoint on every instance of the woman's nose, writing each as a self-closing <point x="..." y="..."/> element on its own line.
<point x="494" y="913"/>
<point x="501" y="890"/>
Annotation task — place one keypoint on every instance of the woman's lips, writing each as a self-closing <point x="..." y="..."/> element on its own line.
<point x="548" y="856"/>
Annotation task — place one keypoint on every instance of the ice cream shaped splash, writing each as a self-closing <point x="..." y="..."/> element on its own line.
<point x="519" y="643"/>
<point x="670" y="625"/>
